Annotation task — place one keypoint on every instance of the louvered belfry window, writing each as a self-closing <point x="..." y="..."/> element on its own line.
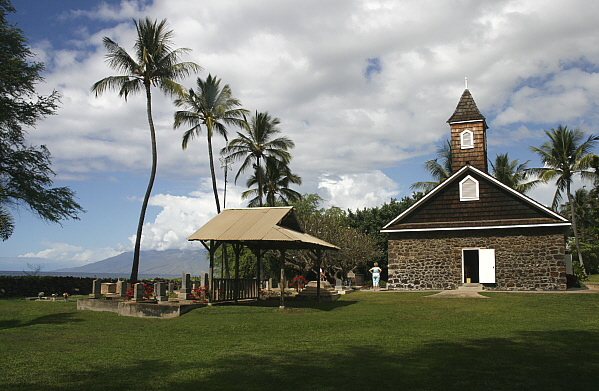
<point x="467" y="139"/>
<point x="468" y="189"/>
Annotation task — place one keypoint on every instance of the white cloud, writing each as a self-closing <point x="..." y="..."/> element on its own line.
<point x="74" y="255"/>
<point x="181" y="216"/>
<point x="357" y="191"/>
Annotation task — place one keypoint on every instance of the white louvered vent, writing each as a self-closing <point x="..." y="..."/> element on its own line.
<point x="467" y="139"/>
<point x="468" y="189"/>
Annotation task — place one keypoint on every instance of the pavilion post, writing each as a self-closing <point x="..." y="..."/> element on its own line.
<point x="237" y="249"/>
<point x="318" y="265"/>
<point x="258" y="255"/>
<point x="211" y="250"/>
<point x="282" y="278"/>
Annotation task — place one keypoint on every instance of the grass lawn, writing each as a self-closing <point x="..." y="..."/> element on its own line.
<point x="593" y="277"/>
<point x="364" y="341"/>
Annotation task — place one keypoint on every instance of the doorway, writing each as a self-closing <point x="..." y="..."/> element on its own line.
<point x="470" y="265"/>
<point x="478" y="265"/>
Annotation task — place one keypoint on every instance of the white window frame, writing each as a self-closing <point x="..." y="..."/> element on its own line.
<point x="476" y="190"/>
<point x="463" y="144"/>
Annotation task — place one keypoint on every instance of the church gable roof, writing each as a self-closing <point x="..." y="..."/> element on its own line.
<point x="466" y="110"/>
<point x="497" y="206"/>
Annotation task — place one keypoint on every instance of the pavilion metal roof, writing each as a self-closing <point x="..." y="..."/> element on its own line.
<point x="264" y="228"/>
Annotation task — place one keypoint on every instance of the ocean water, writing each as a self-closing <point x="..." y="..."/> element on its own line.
<point x="91" y="275"/>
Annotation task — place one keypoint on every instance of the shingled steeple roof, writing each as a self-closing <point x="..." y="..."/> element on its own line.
<point x="466" y="110"/>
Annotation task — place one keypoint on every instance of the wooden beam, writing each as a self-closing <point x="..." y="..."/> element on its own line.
<point x="282" y="278"/>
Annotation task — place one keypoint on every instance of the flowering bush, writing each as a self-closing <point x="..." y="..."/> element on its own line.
<point x="200" y="294"/>
<point x="148" y="291"/>
<point x="298" y="282"/>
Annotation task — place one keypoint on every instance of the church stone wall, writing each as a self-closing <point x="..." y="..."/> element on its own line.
<point x="525" y="259"/>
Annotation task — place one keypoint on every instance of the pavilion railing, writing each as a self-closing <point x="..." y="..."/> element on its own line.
<point x="230" y="289"/>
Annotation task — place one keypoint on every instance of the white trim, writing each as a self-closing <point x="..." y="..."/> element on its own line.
<point x="463" y="144"/>
<point x="477" y="227"/>
<point x="475" y="197"/>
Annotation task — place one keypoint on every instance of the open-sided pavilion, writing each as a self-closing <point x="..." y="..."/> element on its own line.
<point x="260" y="230"/>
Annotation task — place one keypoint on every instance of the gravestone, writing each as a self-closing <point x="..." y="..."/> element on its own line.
<point x="138" y="292"/>
<point x="160" y="291"/>
<point x="96" y="289"/>
<point x="338" y="284"/>
<point x="185" y="289"/>
<point x="121" y="288"/>
<point x="172" y="287"/>
<point x="206" y="279"/>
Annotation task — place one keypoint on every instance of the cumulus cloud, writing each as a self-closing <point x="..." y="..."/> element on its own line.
<point x="357" y="191"/>
<point x="75" y="255"/>
<point x="181" y="216"/>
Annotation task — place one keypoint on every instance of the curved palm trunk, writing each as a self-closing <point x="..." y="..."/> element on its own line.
<point x="144" y="205"/>
<point x="212" y="173"/>
<point x="573" y="214"/>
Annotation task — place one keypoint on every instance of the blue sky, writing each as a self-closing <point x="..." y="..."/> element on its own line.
<point x="364" y="88"/>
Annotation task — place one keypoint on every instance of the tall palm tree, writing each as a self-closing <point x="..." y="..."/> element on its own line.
<point x="512" y="174"/>
<point x="277" y="179"/>
<point x="583" y="207"/>
<point x="258" y="144"/>
<point x="566" y="154"/>
<point x="156" y="64"/>
<point x="210" y="107"/>
<point x="440" y="171"/>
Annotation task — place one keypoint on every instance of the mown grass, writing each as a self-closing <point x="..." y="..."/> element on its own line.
<point x="593" y="278"/>
<point x="363" y="341"/>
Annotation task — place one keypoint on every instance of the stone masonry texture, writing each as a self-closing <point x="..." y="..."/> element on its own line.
<point x="526" y="259"/>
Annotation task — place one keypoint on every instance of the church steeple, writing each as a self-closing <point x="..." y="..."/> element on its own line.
<point x="468" y="135"/>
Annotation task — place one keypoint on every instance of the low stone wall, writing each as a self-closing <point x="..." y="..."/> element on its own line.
<point x="98" y="305"/>
<point x="525" y="259"/>
<point x="171" y="309"/>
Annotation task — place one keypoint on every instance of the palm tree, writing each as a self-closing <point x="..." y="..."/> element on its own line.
<point x="277" y="179"/>
<point x="211" y="107"/>
<point x="512" y="174"/>
<point x="583" y="208"/>
<point x="566" y="154"/>
<point x="439" y="171"/>
<point x="155" y="64"/>
<point x="257" y="145"/>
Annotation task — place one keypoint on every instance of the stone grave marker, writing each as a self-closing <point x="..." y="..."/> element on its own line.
<point x="96" y="289"/>
<point x="138" y="292"/>
<point x="160" y="291"/>
<point x="185" y="289"/>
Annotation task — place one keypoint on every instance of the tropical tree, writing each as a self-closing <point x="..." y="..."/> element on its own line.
<point x="257" y="145"/>
<point x="512" y="174"/>
<point x="25" y="170"/>
<point x="156" y="64"/>
<point x="277" y="179"/>
<point x="439" y="168"/>
<point x="211" y="107"/>
<point x="566" y="154"/>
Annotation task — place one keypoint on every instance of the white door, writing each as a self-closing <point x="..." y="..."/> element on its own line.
<point x="486" y="264"/>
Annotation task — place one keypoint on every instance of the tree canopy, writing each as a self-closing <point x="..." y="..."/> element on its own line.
<point x="26" y="176"/>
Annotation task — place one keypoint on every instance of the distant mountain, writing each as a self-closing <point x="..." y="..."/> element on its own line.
<point x="156" y="263"/>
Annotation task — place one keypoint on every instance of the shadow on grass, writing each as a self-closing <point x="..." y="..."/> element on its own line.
<point x="534" y="360"/>
<point x="56" y="319"/>
<point x="292" y="302"/>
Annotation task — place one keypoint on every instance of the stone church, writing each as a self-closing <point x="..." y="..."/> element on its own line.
<point x="473" y="229"/>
